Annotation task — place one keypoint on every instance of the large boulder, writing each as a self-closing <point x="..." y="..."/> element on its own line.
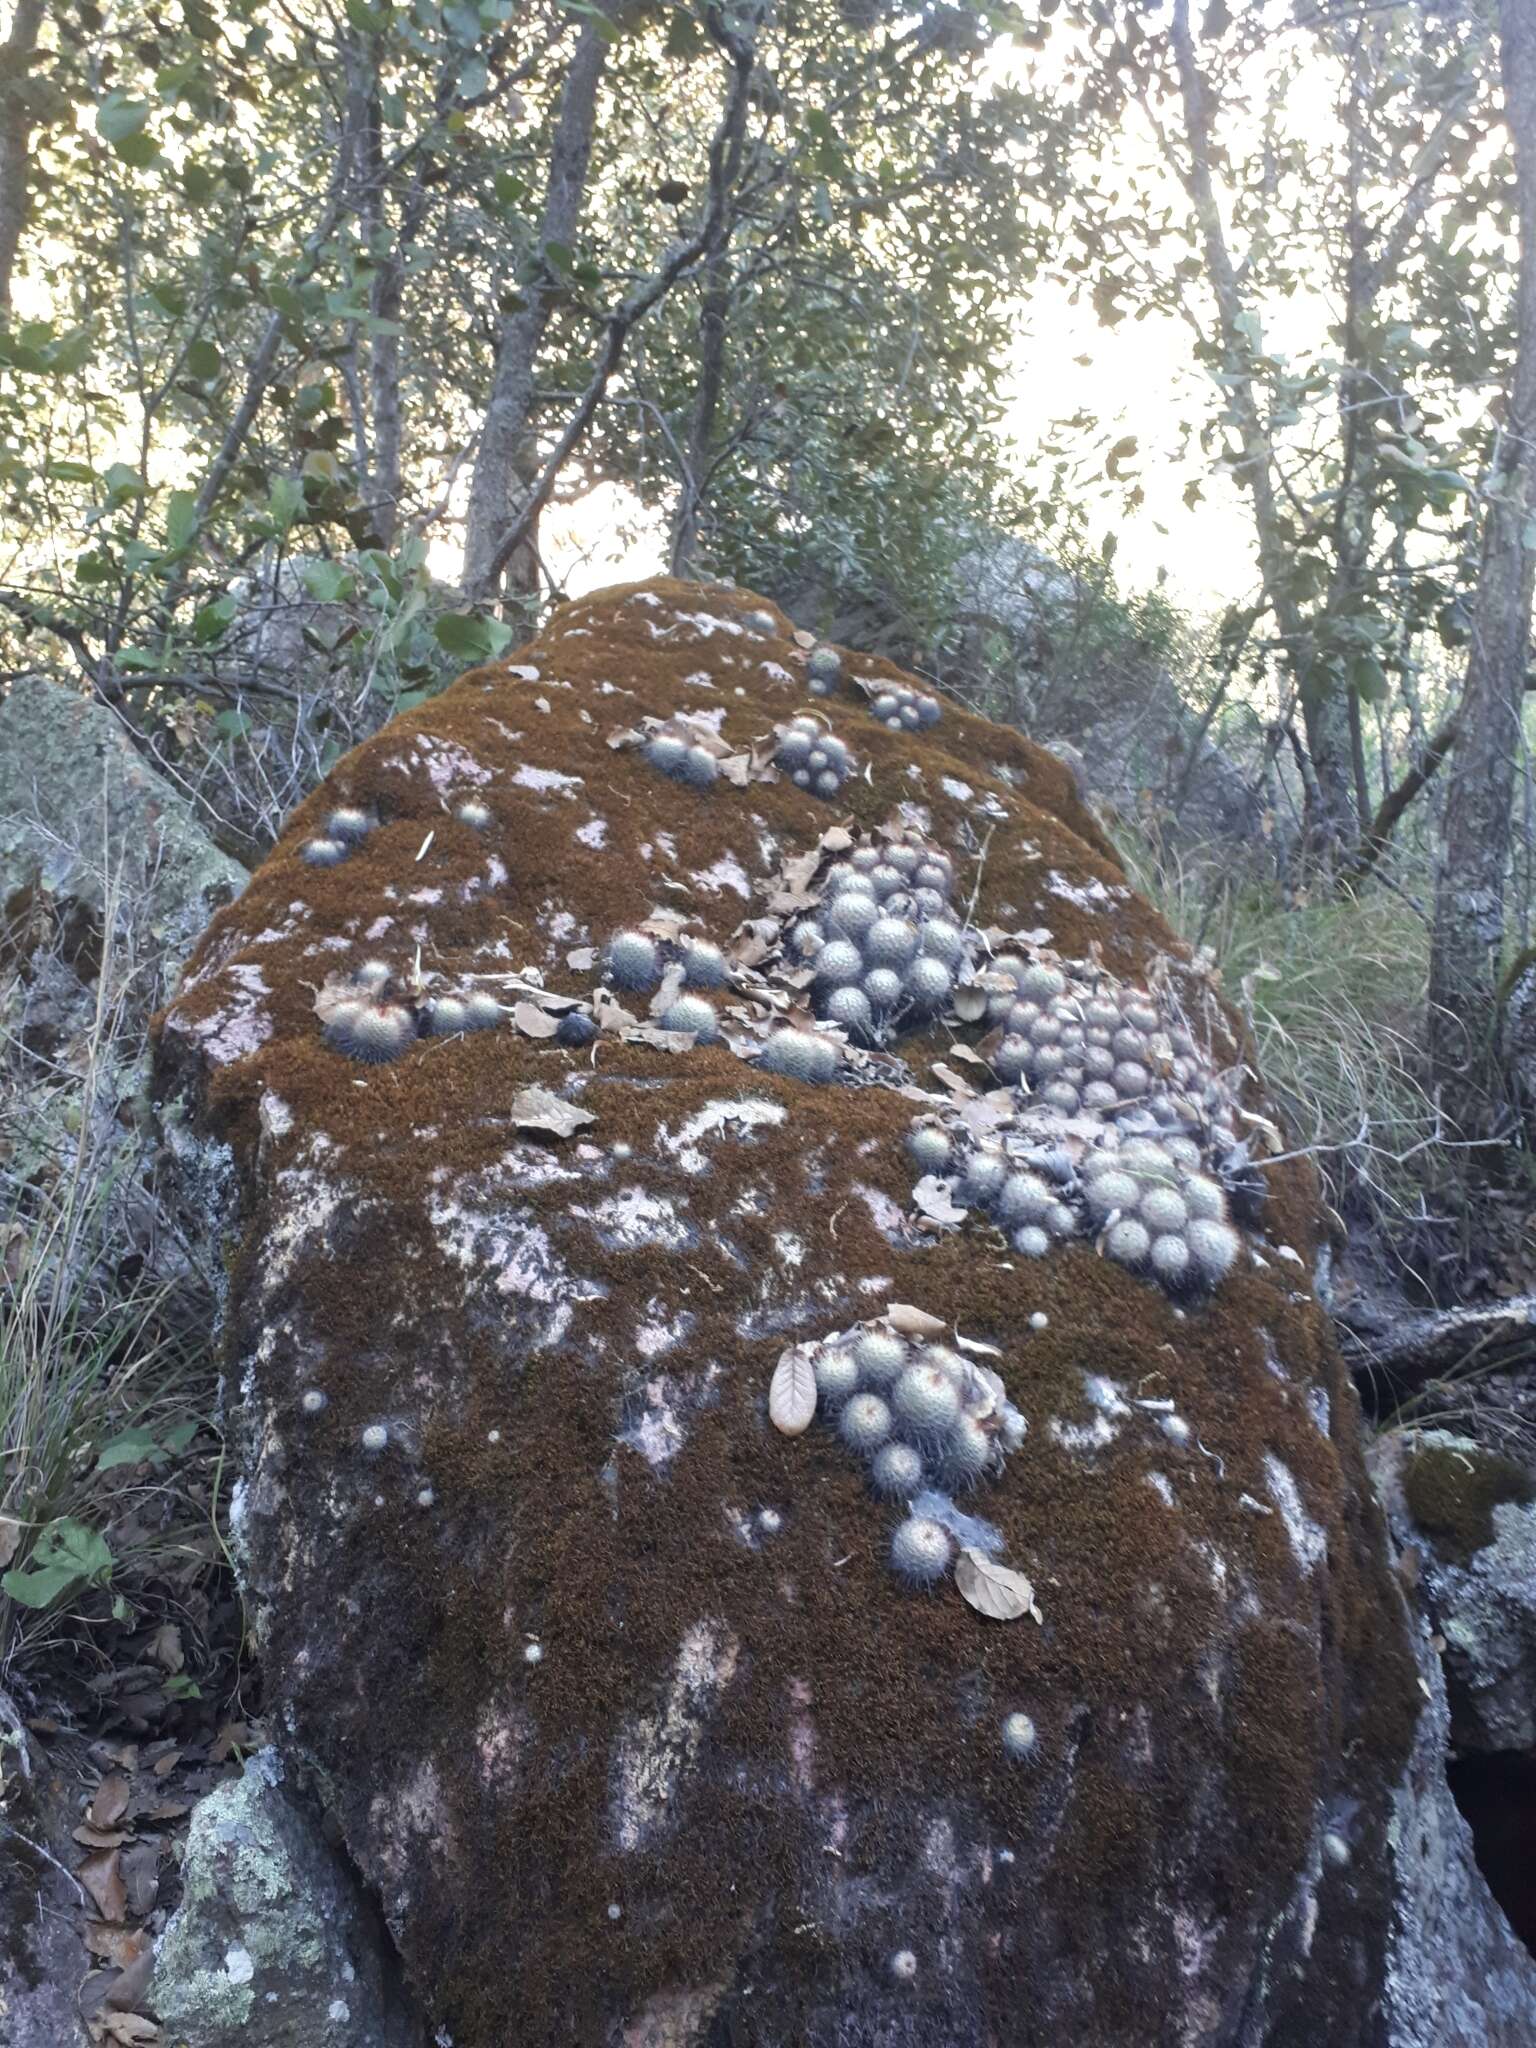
<point x="621" y="1701"/>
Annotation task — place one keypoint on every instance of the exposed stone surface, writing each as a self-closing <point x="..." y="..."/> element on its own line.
<point x="271" y="1945"/>
<point x="80" y="812"/>
<point x="41" y="1960"/>
<point x="625" y="1713"/>
<point x="1471" y="1515"/>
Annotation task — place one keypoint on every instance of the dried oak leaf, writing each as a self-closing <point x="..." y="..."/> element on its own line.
<point x="992" y="1589"/>
<point x="102" y="1877"/>
<point x="534" y="1022"/>
<point x="792" y="1392"/>
<point x="536" y="1109"/>
<point x="933" y="1199"/>
<point x="908" y="1321"/>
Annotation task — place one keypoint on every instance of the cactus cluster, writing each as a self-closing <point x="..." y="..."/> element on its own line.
<point x="1147" y="1200"/>
<point x="388" y="1013"/>
<point x="905" y="710"/>
<point x="678" y="753"/>
<point x="636" y="961"/>
<point x="345" y="830"/>
<point x="813" y="759"/>
<point x="925" y="1422"/>
<point x="1096" y="1046"/>
<point x="885" y="942"/>
<point x="823" y="671"/>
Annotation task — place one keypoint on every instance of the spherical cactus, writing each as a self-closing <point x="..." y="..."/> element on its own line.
<point x="807" y="939"/>
<point x="1128" y="1045"/>
<point x="881" y="1357"/>
<point x="1100" y="1096"/>
<point x="323" y="853"/>
<point x="794" y="748"/>
<point x="864" y="1424"/>
<point x="837" y="1377"/>
<point x="447" y="1015"/>
<point x="1013" y="1059"/>
<point x="1169" y="1260"/>
<point x="1020" y="1737"/>
<point x="921" y="1550"/>
<point x="824" y="667"/>
<point x="373" y="974"/>
<point x="887" y="707"/>
<point x="1061" y="1095"/>
<point x="943" y="940"/>
<point x="1141" y="1016"/>
<point x="929" y="1148"/>
<point x="482" y="1011"/>
<point x="372" y="1032"/>
<point x="634" y="962"/>
<point x="314" y="1401"/>
<point x="851" y="1010"/>
<point x="846" y="880"/>
<point x="1107" y="1192"/>
<point x="577" y="1028"/>
<point x="667" y="752"/>
<point x="695" y="1014"/>
<point x="1042" y="984"/>
<point x="896" y="1472"/>
<point x="851" y="913"/>
<point x="1204" y="1198"/>
<point x="983" y="1178"/>
<point x="927" y="1401"/>
<point x="1163" y="1210"/>
<point x="704" y="965"/>
<point x="967" y="1452"/>
<point x="375" y="1438"/>
<point x="884" y="987"/>
<point x="348" y="823"/>
<point x="1128" y="1241"/>
<point x="1059" y="1220"/>
<point x="1022" y="1198"/>
<point x="929" y="984"/>
<point x="891" y="942"/>
<point x="839" y="964"/>
<point x="1132" y="1079"/>
<point x="473" y="813"/>
<point x="761" y="621"/>
<point x="800" y="1055"/>
<point x="699" y="767"/>
<point x="1213" y="1248"/>
<point x="1031" y="1242"/>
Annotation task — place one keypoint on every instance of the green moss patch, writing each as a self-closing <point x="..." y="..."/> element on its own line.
<point x="1452" y="1492"/>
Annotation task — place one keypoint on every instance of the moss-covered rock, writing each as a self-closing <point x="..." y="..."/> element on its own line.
<point x="272" y="1945"/>
<point x="626" y="1714"/>
<point x="1452" y="1488"/>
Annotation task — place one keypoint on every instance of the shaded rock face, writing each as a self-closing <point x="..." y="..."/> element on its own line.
<point x="622" y="1706"/>
<point x="271" y="1946"/>
<point x="1471" y="1514"/>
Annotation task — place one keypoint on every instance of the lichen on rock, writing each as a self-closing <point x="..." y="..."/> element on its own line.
<point x="625" y="1711"/>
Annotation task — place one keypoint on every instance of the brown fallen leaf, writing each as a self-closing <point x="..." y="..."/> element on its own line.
<point x="913" y="1322"/>
<point x="141" y="1875"/>
<point x="992" y="1589"/>
<point x="804" y="639"/>
<point x="537" y="1109"/>
<point x="127" y="2029"/>
<point x="534" y="1022"/>
<point x="117" y="1945"/>
<point x="99" y="1838"/>
<point x="165" y="1647"/>
<point x="932" y="1199"/>
<point x="102" y="1877"/>
<point x="792" y="1392"/>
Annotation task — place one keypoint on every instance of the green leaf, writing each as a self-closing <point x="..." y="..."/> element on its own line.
<point x="204" y="360"/>
<point x="472" y="638"/>
<point x="283" y="504"/>
<point x="65" y="1555"/>
<point x="119" y="117"/>
<point x="133" y="1447"/>
<point x="180" y="521"/>
<point x="326" y="582"/>
<point x="214" y="620"/>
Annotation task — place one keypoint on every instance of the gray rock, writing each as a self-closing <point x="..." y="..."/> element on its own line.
<point x="272" y="1945"/>
<point x="1477" y="1583"/>
<point x="621" y="1708"/>
<point x="78" y="805"/>
<point x="42" y="1959"/>
<point x="1457" y="1976"/>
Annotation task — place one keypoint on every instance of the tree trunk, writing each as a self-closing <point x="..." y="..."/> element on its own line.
<point x="15" y="140"/>
<point x="504" y="455"/>
<point x="1469" y="892"/>
<point x="714" y="313"/>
